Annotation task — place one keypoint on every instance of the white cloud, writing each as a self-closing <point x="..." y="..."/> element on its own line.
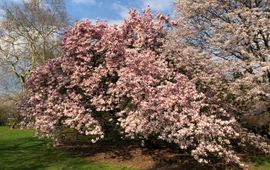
<point x="121" y="9"/>
<point x="84" y="2"/>
<point x="2" y="13"/>
<point x="109" y="21"/>
<point x="19" y="1"/>
<point x="116" y="22"/>
<point x="159" y="5"/>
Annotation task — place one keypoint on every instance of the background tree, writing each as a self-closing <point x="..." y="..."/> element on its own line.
<point x="236" y="35"/>
<point x="30" y="34"/>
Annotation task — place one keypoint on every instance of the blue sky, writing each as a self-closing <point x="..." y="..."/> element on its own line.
<point x="111" y="10"/>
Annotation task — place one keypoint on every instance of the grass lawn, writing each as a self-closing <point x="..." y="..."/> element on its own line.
<point x="260" y="163"/>
<point x="19" y="150"/>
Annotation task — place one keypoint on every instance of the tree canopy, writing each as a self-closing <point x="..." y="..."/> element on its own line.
<point x="120" y="75"/>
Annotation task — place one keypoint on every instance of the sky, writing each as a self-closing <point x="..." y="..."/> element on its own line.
<point x="114" y="11"/>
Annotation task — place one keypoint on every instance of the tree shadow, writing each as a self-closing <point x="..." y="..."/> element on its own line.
<point x="130" y="153"/>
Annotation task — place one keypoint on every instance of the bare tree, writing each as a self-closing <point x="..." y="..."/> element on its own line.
<point x="29" y="35"/>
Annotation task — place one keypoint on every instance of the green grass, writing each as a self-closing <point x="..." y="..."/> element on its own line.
<point x="19" y="150"/>
<point x="260" y="163"/>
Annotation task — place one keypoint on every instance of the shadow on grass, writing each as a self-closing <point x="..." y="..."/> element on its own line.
<point x="20" y="151"/>
<point x="150" y="158"/>
<point x="259" y="162"/>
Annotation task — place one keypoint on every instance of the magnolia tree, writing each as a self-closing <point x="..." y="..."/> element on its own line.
<point x="116" y="75"/>
<point x="236" y="34"/>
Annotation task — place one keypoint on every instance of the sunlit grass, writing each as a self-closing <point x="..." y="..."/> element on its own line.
<point x="19" y="150"/>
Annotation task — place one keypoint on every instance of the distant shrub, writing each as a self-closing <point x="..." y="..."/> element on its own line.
<point x="8" y="113"/>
